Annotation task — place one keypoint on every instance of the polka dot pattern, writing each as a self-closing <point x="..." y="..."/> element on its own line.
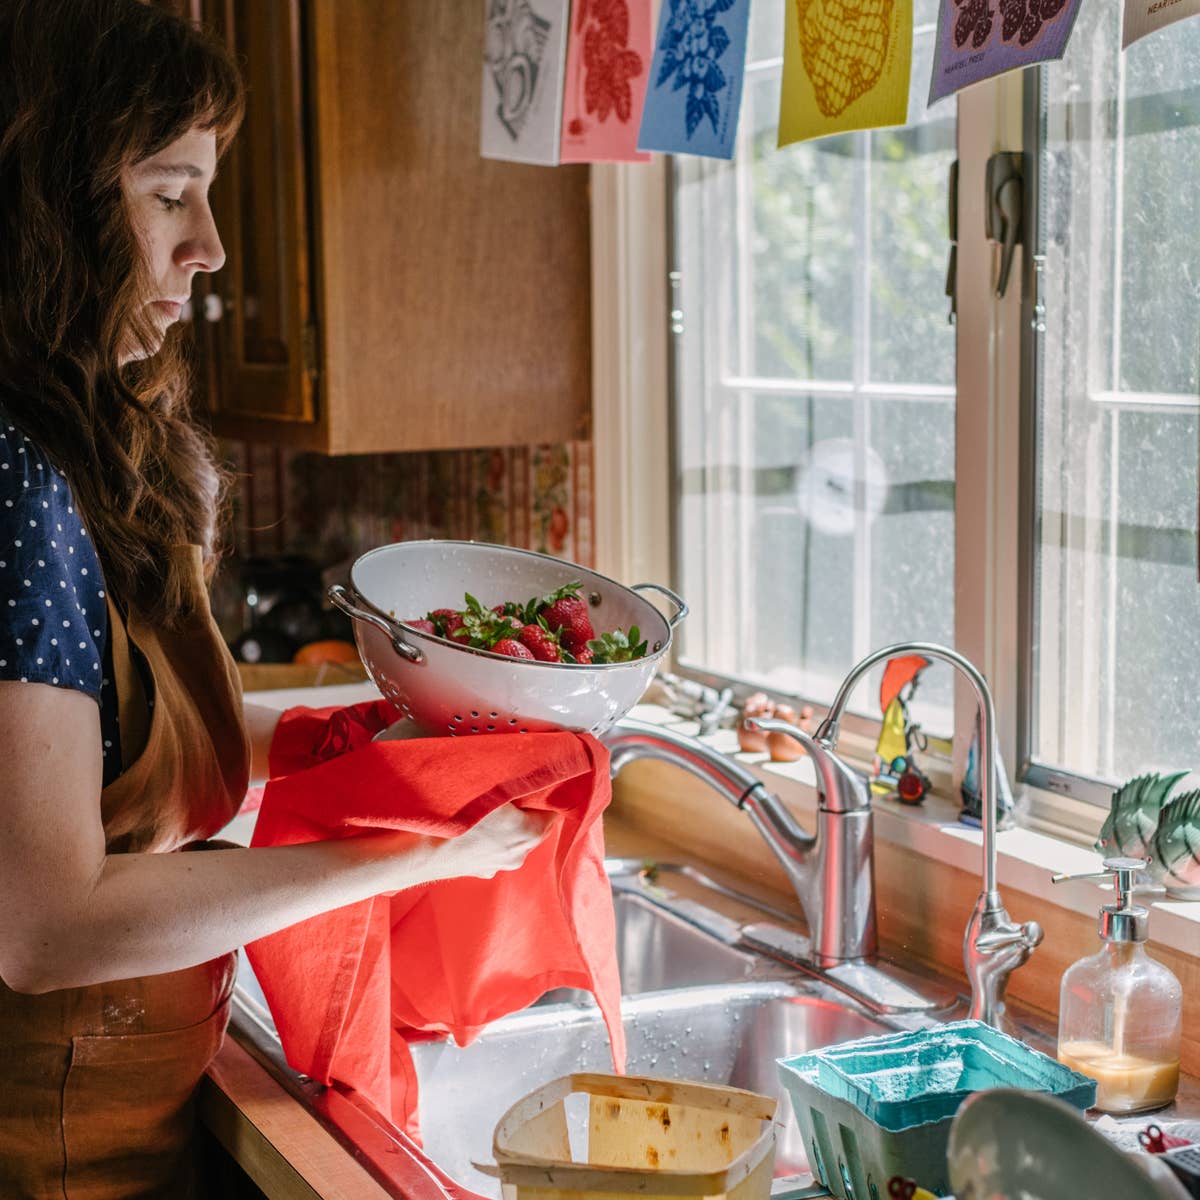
<point x="53" y="618"/>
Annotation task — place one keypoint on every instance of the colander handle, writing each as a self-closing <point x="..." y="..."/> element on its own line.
<point x="340" y="598"/>
<point x="681" y="609"/>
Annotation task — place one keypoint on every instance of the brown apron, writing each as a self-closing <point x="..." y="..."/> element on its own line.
<point x="96" y="1082"/>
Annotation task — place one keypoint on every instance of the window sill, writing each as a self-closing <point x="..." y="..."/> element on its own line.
<point x="1025" y="857"/>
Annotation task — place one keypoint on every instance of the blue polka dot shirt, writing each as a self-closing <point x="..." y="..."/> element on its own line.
<point x="53" y="614"/>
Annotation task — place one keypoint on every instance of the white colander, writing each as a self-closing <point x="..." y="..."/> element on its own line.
<point x="451" y="689"/>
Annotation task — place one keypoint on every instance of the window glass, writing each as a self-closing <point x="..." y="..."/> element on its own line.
<point x="1116" y="628"/>
<point x="814" y="392"/>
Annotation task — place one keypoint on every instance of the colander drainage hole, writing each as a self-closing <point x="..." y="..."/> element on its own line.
<point x="512" y="720"/>
<point x="475" y="714"/>
<point x="474" y="729"/>
<point x="457" y="718"/>
<point x="493" y="715"/>
<point x="491" y="728"/>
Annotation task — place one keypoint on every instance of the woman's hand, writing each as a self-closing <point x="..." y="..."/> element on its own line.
<point x="500" y="842"/>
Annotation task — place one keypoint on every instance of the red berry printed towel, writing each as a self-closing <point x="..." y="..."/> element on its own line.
<point x="347" y="988"/>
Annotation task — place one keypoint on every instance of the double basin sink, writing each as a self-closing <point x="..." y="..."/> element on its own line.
<point x="697" y="1004"/>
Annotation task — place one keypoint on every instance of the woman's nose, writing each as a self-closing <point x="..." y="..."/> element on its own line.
<point x="203" y="250"/>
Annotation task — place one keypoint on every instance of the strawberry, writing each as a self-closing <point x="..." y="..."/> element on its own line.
<point x="511" y="648"/>
<point x="541" y="642"/>
<point x="583" y="657"/>
<point x="445" y="621"/>
<point x="423" y="624"/>
<point x="486" y="626"/>
<point x="566" y="613"/>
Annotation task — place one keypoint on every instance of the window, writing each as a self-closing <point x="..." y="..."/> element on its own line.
<point x="822" y="404"/>
<point x="815" y="391"/>
<point x="1116" y="604"/>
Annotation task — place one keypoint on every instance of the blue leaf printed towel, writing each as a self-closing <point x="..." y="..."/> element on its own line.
<point x="695" y="85"/>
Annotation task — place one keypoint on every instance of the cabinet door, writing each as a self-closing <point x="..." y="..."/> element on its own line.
<point x="455" y="290"/>
<point x="259" y="305"/>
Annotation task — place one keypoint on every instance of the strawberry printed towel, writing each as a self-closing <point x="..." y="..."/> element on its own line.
<point x="349" y="987"/>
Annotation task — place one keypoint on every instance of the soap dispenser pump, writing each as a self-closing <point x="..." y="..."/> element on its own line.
<point x="1120" y="1011"/>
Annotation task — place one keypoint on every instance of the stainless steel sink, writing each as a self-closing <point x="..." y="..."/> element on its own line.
<point x="729" y="1034"/>
<point x="696" y="1006"/>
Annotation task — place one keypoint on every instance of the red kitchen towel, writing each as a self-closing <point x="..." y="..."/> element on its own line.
<point x="347" y="988"/>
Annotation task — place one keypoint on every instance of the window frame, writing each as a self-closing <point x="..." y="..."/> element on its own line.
<point x="995" y="447"/>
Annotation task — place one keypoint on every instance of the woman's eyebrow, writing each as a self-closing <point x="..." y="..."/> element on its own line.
<point x="190" y="170"/>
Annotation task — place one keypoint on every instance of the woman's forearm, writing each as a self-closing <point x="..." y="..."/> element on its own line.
<point x="152" y="913"/>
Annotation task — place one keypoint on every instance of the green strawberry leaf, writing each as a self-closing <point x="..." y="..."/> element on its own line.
<point x="617" y="646"/>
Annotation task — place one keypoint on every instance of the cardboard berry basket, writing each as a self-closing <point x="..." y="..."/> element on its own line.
<point x="635" y="1136"/>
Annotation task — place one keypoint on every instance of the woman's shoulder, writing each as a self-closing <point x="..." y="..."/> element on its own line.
<point x="53" y="619"/>
<point x="32" y="488"/>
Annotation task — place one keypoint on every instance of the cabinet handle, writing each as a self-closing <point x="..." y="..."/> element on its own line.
<point x="214" y="307"/>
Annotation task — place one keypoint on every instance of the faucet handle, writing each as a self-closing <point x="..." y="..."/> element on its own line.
<point x="842" y="789"/>
<point x="993" y="948"/>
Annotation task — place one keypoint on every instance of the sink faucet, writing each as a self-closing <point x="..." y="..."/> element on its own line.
<point x="993" y="945"/>
<point x="831" y="871"/>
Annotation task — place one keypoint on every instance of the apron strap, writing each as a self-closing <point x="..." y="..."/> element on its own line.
<point x="133" y="712"/>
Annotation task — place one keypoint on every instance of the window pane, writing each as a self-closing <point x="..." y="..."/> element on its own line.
<point x="911" y="338"/>
<point x="799" y="314"/>
<point x="814" y="375"/>
<point x="1117" y="601"/>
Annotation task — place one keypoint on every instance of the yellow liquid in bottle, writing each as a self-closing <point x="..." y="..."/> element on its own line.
<point x="1128" y="1083"/>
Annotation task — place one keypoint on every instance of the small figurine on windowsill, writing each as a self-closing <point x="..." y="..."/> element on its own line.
<point x="972" y="798"/>
<point x="1145" y="821"/>
<point x="897" y="774"/>
<point x="780" y="746"/>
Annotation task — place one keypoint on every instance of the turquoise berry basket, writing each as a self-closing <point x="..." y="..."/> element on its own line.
<point x="883" y="1106"/>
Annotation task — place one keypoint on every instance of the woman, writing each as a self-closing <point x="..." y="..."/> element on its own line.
<point x="122" y="731"/>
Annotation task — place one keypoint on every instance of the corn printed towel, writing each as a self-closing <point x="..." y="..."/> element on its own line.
<point x="844" y="67"/>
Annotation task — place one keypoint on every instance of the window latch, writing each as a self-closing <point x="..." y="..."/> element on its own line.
<point x="952" y="269"/>
<point x="1005" y="182"/>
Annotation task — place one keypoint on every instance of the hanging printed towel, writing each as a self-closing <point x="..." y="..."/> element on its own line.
<point x="977" y="39"/>
<point x="844" y="67"/>
<point x="695" y="92"/>
<point x="347" y="988"/>
<point x="608" y="57"/>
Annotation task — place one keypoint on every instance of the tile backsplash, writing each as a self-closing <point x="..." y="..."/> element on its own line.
<point x="334" y="509"/>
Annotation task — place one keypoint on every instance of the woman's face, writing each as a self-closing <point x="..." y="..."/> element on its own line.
<point x="167" y="196"/>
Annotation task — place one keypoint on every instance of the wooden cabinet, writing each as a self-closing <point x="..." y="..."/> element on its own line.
<point x="386" y="288"/>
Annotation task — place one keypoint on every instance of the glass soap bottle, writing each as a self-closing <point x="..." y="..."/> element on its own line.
<point x="1120" y="1011"/>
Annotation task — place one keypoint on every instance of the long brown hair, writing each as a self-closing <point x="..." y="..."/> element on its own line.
<point x="87" y="88"/>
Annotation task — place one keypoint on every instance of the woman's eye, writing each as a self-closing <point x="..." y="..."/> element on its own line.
<point x="170" y="203"/>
